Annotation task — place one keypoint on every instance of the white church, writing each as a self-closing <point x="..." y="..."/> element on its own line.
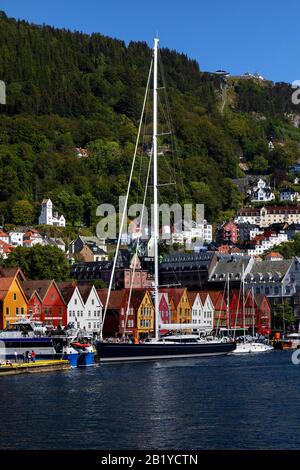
<point x="48" y="217"/>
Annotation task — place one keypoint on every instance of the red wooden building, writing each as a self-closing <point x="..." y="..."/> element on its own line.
<point x="165" y="308"/>
<point x="45" y="302"/>
<point x="114" y="323"/>
<point x="255" y="311"/>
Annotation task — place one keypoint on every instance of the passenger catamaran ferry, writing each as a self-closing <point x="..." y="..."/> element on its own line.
<point x="159" y="347"/>
<point x="27" y="336"/>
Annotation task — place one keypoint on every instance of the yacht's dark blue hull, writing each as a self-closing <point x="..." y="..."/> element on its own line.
<point x="119" y="352"/>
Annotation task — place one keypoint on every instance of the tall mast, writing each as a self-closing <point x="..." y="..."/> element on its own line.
<point x="253" y="313"/>
<point x="243" y="281"/>
<point x="227" y="304"/>
<point x="155" y="191"/>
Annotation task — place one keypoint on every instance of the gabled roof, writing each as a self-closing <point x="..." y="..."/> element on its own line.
<point x="12" y="272"/>
<point x="279" y="267"/>
<point x="40" y="286"/>
<point x="117" y="298"/>
<point x="259" y="299"/>
<point x="203" y="296"/>
<point x="5" y="247"/>
<point x="274" y="254"/>
<point x="137" y="297"/>
<point x="192" y="297"/>
<point x="67" y="290"/>
<point x="174" y="294"/>
<point x="232" y="266"/>
<point x="85" y="290"/>
<point x="217" y="298"/>
<point x="5" y="283"/>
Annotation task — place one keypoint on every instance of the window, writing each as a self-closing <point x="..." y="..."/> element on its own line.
<point x="17" y="310"/>
<point x="75" y="301"/>
<point x="93" y="301"/>
<point x="14" y="296"/>
<point x="7" y="310"/>
<point x="89" y="325"/>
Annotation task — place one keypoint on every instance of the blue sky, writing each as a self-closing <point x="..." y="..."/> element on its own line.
<point x="238" y="36"/>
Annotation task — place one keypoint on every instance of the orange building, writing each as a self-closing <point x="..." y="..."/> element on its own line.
<point x="180" y="305"/>
<point x="13" y="302"/>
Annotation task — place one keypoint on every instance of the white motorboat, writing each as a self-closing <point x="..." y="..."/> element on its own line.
<point x="251" y="347"/>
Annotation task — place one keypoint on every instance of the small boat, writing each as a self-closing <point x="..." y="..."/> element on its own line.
<point x="294" y="340"/>
<point x="252" y="347"/>
<point x="86" y="354"/>
<point x="25" y="336"/>
<point x="247" y="344"/>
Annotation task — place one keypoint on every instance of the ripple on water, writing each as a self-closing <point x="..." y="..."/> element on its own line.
<point x="224" y="402"/>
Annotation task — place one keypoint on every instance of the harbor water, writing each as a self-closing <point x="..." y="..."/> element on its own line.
<point x="230" y="402"/>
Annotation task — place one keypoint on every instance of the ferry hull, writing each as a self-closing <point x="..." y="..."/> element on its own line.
<point x="122" y="352"/>
<point x="85" y="359"/>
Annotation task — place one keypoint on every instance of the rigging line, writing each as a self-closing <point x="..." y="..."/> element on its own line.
<point x="137" y="245"/>
<point x="175" y="158"/>
<point x="221" y="306"/>
<point x="237" y="309"/>
<point x="126" y="203"/>
<point x="168" y="108"/>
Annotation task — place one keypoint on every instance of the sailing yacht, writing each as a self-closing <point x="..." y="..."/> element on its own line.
<point x="158" y="347"/>
<point x="245" y="346"/>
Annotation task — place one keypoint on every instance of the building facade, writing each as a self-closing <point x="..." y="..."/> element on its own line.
<point x="268" y="215"/>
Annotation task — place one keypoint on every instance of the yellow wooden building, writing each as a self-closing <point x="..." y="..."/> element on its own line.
<point x="144" y="311"/>
<point x="180" y="305"/>
<point x="13" y="302"/>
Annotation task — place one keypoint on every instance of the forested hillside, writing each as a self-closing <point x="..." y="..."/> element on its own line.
<point x="68" y="89"/>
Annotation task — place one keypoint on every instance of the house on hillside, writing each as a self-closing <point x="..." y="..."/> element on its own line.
<point x="48" y="217"/>
<point x="4" y="237"/>
<point x="261" y="192"/>
<point x="32" y="237"/>
<point x="289" y="195"/>
<point x="5" y="249"/>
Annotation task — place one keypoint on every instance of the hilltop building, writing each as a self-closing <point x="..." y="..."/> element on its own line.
<point x="261" y="192"/>
<point x="48" y="217"/>
<point x="268" y="215"/>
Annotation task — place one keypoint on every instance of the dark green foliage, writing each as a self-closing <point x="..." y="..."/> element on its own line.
<point x="40" y="262"/>
<point x="68" y="89"/>
<point x="291" y="248"/>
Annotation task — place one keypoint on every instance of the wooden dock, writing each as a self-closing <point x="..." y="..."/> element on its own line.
<point x="34" y="367"/>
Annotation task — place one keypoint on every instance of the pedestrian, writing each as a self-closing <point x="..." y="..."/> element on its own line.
<point x="16" y="356"/>
<point x="33" y="356"/>
<point x="27" y="356"/>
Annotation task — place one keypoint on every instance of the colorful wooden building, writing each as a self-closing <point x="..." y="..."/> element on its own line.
<point x="180" y="305"/>
<point x="45" y="302"/>
<point x="13" y="301"/>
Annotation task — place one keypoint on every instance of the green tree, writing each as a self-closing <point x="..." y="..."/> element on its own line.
<point x="99" y="284"/>
<point x="40" y="262"/>
<point x="22" y="212"/>
<point x="259" y="165"/>
<point x="284" y="316"/>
